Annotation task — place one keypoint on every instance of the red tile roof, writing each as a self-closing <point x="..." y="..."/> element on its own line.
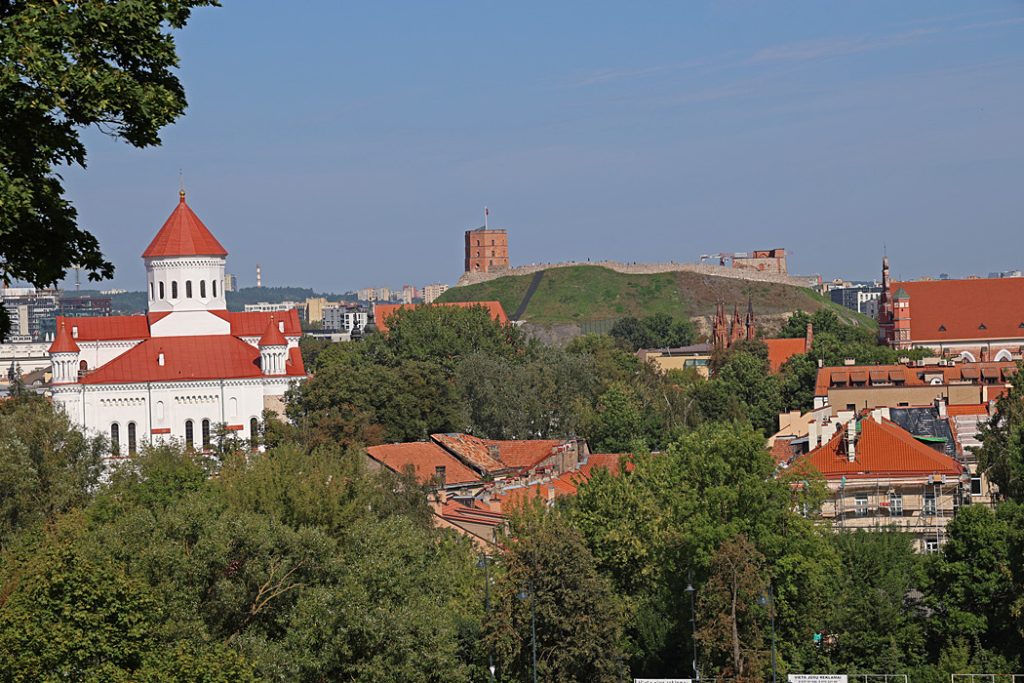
<point x="883" y="449"/>
<point x="524" y="452"/>
<point x="424" y="457"/>
<point x="183" y="234"/>
<point x="63" y="343"/>
<point x="491" y="455"/>
<point x="940" y="310"/>
<point x="971" y="409"/>
<point x="109" y="328"/>
<point x="472" y="450"/>
<point x="381" y="312"/>
<point x="911" y="376"/>
<point x="781" y="350"/>
<point x="272" y="335"/>
<point x="187" y="358"/>
<point x="254" y="323"/>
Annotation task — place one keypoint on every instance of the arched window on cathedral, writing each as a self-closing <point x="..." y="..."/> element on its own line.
<point x="115" y="439"/>
<point x="174" y="289"/>
<point x="161" y="290"/>
<point x="206" y="434"/>
<point x="150" y="290"/>
<point x="254" y="433"/>
<point x="202" y="289"/>
<point x="189" y="435"/>
<point x="132" y="446"/>
<point x="214" y="289"/>
<point x="188" y="289"/>
<point x="83" y="368"/>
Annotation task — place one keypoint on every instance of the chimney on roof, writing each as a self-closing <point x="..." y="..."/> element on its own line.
<point x="851" y="440"/>
<point x="940" y="405"/>
<point x="809" y="338"/>
<point x="494" y="451"/>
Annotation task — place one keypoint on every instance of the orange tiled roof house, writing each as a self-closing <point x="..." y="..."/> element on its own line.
<point x="880" y="475"/>
<point x="185" y="366"/>
<point x="979" y="319"/>
<point x="475" y="480"/>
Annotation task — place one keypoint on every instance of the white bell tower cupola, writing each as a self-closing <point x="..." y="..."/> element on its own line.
<point x="185" y="265"/>
<point x="64" y="356"/>
<point x="273" y="347"/>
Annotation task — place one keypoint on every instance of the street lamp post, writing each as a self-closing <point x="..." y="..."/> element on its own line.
<point x="770" y="602"/>
<point x="693" y="624"/>
<point x="523" y="595"/>
<point x="484" y="563"/>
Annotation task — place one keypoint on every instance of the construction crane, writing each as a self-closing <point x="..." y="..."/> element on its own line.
<point x="722" y="256"/>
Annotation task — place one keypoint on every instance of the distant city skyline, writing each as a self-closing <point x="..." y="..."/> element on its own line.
<point x="348" y="146"/>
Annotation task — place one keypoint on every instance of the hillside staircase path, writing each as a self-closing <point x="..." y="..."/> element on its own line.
<point x="530" y="291"/>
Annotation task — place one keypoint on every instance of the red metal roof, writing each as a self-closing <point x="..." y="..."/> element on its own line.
<point x="424" y="457"/>
<point x="63" y="343"/>
<point x="883" y="449"/>
<point x="187" y="358"/>
<point x="989" y="308"/>
<point x="781" y="350"/>
<point x="108" y="328"/>
<point x="381" y="312"/>
<point x="254" y="324"/>
<point x="183" y="234"/>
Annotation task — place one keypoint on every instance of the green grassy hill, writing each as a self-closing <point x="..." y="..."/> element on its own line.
<point x="585" y="295"/>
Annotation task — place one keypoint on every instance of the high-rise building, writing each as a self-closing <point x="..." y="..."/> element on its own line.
<point x="486" y="250"/>
<point x="230" y="283"/>
<point x="432" y="291"/>
<point x="408" y="294"/>
<point x="32" y="312"/>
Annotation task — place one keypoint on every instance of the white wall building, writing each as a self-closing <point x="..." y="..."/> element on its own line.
<point x="186" y="366"/>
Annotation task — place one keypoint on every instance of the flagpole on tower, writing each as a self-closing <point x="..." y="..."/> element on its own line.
<point x="486" y="214"/>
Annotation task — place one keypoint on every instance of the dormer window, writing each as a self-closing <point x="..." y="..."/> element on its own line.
<point x="942" y="328"/>
<point x="982" y="327"/>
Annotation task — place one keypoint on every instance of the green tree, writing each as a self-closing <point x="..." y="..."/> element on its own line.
<point x="655" y="331"/>
<point x="549" y="573"/>
<point x="731" y="633"/>
<point x="65" y="617"/>
<point x="976" y="579"/>
<point x="878" y="617"/>
<point x="64" y="67"/>
<point x="47" y="466"/>
<point x="1002" y="442"/>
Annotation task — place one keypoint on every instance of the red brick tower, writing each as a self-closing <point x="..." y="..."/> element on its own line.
<point x="486" y="250"/>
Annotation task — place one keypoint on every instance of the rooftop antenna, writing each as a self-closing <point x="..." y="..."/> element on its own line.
<point x="78" y="277"/>
<point x="487" y="212"/>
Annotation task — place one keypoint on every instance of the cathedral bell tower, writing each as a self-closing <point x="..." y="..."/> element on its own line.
<point x="185" y="265"/>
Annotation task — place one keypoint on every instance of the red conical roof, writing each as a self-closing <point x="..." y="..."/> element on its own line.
<point x="272" y="336"/>
<point x="184" y="235"/>
<point x="63" y="343"/>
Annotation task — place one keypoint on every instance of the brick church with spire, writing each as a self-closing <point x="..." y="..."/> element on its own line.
<point x="186" y="366"/>
<point x="726" y="333"/>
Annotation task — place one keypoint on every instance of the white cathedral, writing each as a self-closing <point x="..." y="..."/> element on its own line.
<point x="186" y="366"/>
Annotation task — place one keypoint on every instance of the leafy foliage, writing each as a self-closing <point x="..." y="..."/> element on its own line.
<point x="64" y="67"/>
<point x="655" y="331"/>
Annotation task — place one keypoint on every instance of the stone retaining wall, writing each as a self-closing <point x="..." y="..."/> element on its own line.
<point x="648" y="269"/>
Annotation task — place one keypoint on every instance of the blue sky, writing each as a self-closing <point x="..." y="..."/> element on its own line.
<point x="344" y="145"/>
